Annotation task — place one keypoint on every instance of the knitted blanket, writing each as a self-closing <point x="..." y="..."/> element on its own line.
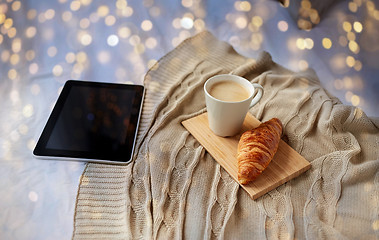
<point x="174" y="189"/>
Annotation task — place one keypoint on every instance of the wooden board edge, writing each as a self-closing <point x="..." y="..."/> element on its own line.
<point x="274" y="186"/>
<point x="184" y="123"/>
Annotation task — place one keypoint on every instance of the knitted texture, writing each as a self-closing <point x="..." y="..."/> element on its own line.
<point x="174" y="189"/>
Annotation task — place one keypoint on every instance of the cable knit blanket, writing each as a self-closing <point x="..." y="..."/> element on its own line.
<point x="175" y="190"/>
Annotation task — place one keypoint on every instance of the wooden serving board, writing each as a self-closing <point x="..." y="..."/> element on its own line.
<point x="286" y="164"/>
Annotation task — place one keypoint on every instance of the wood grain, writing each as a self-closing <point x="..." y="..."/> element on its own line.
<point x="286" y="164"/>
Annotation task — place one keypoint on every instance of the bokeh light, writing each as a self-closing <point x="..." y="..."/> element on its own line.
<point x="83" y="18"/>
<point x="30" y="55"/>
<point x="354" y="47"/>
<point x="186" y="22"/>
<point x="187" y="3"/>
<point x="30" y="32"/>
<point x="16" y="5"/>
<point x="326" y="43"/>
<point x="84" y="23"/>
<point x="347" y="26"/>
<point x="70" y="57"/>
<point x="49" y="14"/>
<point x="57" y="70"/>
<point x="358" y="27"/>
<point x="75" y="5"/>
<point x="52" y="51"/>
<point x="151" y="43"/>
<point x="35" y="89"/>
<point x="12" y="74"/>
<point x="66" y="16"/>
<point x="44" y="44"/>
<point x="31" y="14"/>
<point x="146" y="25"/>
<point x="103" y="57"/>
<point x="110" y="20"/>
<point x="112" y="40"/>
<point x="33" y="196"/>
<point x="33" y="68"/>
<point x="28" y="110"/>
<point x="243" y="6"/>
<point x="102" y="10"/>
<point x="84" y="38"/>
<point x="81" y="57"/>
<point x="283" y="26"/>
<point x="124" y="32"/>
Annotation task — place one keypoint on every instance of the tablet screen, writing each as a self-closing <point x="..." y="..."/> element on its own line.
<point x="93" y="121"/>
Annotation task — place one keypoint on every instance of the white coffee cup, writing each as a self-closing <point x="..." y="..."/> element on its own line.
<point x="227" y="110"/>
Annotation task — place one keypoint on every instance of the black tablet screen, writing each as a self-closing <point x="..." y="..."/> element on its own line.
<point x="94" y="120"/>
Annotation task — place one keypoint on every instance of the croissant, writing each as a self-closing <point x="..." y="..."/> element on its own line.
<point x="256" y="148"/>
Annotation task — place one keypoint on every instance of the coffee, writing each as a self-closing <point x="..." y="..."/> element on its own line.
<point x="228" y="98"/>
<point x="229" y="91"/>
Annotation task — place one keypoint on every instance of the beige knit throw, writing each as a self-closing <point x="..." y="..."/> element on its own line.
<point x="175" y="190"/>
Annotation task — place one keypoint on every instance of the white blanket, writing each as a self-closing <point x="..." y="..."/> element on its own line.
<point x="174" y="189"/>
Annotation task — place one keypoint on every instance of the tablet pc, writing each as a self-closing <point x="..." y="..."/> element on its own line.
<point x="92" y="122"/>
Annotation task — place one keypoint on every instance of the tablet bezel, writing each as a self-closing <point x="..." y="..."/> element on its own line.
<point x="42" y="152"/>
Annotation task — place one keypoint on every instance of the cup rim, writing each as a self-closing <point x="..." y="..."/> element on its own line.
<point x="233" y="76"/>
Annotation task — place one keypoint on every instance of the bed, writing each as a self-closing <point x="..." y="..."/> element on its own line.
<point x="44" y="44"/>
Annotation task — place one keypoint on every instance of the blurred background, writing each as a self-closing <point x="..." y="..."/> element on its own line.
<point x="118" y="41"/>
<point x="45" y="43"/>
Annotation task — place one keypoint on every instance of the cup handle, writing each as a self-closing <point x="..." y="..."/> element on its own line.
<point x="259" y="95"/>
